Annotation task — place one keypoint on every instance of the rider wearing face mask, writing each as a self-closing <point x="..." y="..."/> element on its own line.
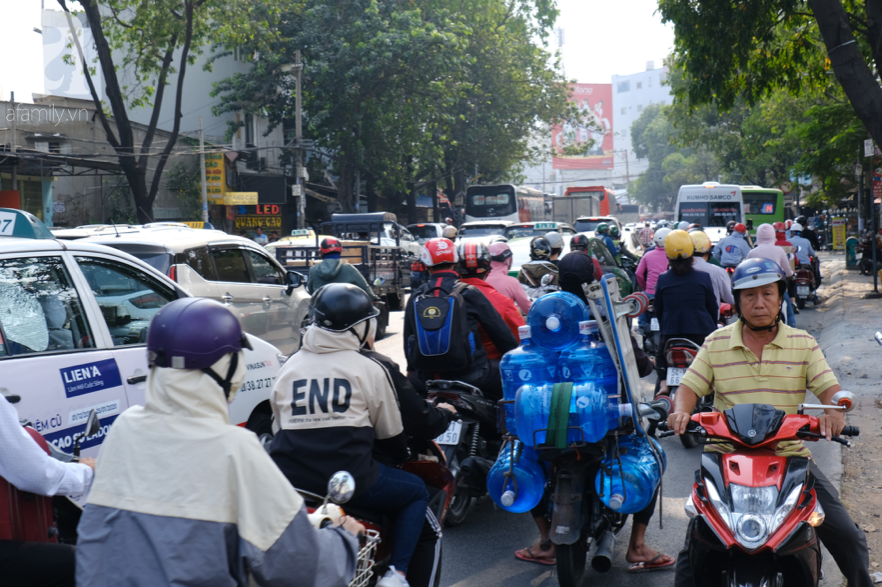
<point x="181" y="496"/>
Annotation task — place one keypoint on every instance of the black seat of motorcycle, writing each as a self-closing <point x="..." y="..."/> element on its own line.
<point x="373" y="516"/>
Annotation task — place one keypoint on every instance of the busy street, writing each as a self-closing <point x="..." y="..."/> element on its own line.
<point x="440" y="293"/>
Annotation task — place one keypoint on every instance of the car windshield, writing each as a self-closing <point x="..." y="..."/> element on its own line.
<point x="482" y="231"/>
<point x="423" y="231"/>
<point x="513" y="232"/>
<point x="588" y="224"/>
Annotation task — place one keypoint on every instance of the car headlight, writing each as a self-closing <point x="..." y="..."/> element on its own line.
<point x="753" y="516"/>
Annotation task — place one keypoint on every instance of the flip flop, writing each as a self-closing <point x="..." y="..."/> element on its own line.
<point x="653" y="565"/>
<point x="525" y="555"/>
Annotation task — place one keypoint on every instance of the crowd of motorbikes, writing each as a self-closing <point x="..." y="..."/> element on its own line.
<point x="756" y="512"/>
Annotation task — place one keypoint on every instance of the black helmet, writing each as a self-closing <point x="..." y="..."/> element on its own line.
<point x="340" y="306"/>
<point x="800" y="220"/>
<point x="730" y="226"/>
<point x="579" y="243"/>
<point x="540" y="249"/>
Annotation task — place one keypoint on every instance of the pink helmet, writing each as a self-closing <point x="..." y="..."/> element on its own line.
<point x="501" y="252"/>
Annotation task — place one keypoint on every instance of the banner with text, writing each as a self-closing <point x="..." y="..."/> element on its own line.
<point x="595" y="103"/>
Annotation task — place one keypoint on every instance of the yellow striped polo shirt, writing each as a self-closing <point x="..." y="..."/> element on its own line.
<point x="792" y="363"/>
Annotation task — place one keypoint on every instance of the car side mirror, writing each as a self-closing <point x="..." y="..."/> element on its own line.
<point x="293" y="280"/>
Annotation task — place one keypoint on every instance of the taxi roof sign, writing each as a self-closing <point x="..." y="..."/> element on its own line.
<point x="21" y="224"/>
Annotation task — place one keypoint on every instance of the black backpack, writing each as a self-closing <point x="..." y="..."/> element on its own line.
<point x="442" y="340"/>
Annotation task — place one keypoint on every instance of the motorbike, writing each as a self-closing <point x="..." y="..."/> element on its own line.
<point x="804" y="279"/>
<point x="470" y="444"/>
<point x="679" y="353"/>
<point x="29" y="517"/>
<point x="726" y="312"/>
<point x="579" y="517"/>
<point x="652" y="336"/>
<point x="866" y="263"/>
<point x="375" y="547"/>
<point x="754" y="513"/>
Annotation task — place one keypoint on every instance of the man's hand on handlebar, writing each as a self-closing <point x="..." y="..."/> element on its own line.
<point x="678" y="421"/>
<point x="350" y="524"/>
<point x="831" y="424"/>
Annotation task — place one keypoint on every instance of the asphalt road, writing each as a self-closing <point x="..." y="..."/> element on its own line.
<point x="480" y="552"/>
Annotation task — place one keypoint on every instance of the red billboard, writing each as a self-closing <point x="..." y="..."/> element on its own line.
<point x="595" y="103"/>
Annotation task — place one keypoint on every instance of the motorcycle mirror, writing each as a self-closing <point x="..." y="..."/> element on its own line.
<point x="93" y="425"/>
<point x="879" y="337"/>
<point x="547" y="279"/>
<point x="341" y="487"/>
<point x="844" y="399"/>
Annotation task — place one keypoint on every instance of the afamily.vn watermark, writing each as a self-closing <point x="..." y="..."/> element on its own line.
<point x="32" y="114"/>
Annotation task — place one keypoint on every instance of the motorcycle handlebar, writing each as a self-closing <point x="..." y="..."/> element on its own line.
<point x="850" y="431"/>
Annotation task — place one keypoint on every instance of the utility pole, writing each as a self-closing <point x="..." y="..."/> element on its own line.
<point x="14" y="148"/>
<point x="202" y="164"/>
<point x="298" y="67"/>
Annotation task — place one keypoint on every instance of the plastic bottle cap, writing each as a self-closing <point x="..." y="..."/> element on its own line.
<point x="625" y="410"/>
<point x="552" y="323"/>
<point x="524" y="332"/>
<point x="616" y="502"/>
<point x="508" y="498"/>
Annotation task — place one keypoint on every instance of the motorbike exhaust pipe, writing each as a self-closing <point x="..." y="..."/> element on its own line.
<point x="602" y="561"/>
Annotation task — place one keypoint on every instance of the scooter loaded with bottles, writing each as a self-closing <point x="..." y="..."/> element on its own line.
<point x="579" y="433"/>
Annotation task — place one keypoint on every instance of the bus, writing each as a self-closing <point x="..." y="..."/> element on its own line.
<point x="712" y="205"/>
<point x="504" y="202"/>
<point x="603" y="194"/>
<point x="763" y="206"/>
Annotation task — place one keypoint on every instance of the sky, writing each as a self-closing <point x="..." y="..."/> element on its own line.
<point x="602" y="38"/>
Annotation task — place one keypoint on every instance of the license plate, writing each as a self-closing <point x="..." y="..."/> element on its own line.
<point x="451" y="435"/>
<point x="802" y="290"/>
<point x="674" y="376"/>
<point x="653" y="324"/>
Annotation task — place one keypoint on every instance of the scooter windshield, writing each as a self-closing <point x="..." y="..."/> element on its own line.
<point x="754" y="423"/>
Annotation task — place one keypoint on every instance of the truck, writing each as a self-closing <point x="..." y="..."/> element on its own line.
<point x="569" y="209"/>
<point x="385" y="267"/>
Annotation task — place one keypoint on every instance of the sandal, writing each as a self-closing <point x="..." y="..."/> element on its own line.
<point x="525" y="554"/>
<point x="653" y="565"/>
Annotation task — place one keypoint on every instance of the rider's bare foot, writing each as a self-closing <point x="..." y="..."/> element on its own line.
<point x="644" y="553"/>
<point x="537" y="553"/>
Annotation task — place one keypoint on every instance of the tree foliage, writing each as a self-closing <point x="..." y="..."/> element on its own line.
<point x="402" y="91"/>
<point x="139" y="46"/>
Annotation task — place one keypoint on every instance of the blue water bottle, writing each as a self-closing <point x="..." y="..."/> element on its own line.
<point x="554" y="319"/>
<point x="528" y="364"/>
<point x="588" y="360"/>
<point x="522" y="490"/>
<point x="628" y="487"/>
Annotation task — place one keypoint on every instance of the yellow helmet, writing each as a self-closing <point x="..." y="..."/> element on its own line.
<point x="678" y="245"/>
<point x="701" y="241"/>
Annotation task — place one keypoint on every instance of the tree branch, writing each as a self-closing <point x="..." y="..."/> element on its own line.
<point x="157" y="102"/>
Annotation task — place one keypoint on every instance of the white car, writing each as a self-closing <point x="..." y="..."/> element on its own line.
<point x="486" y="231"/>
<point x="520" y="251"/>
<point x="423" y="232"/>
<point x="587" y="224"/>
<point x="268" y="299"/>
<point x="65" y="349"/>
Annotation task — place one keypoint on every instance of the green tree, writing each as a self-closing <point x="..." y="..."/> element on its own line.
<point x="142" y="44"/>
<point x="728" y="51"/>
<point x="185" y="183"/>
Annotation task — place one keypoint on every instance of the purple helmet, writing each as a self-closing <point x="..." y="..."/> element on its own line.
<point x="193" y="333"/>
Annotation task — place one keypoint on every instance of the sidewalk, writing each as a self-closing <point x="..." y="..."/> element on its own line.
<point x="846" y="328"/>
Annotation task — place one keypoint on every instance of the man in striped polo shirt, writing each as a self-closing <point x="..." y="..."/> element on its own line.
<point x="760" y="360"/>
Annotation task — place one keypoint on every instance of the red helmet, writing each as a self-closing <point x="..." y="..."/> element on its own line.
<point x="787" y="224"/>
<point x="437" y="251"/>
<point x="778" y="226"/>
<point x="474" y="258"/>
<point x="740" y="228"/>
<point x="330" y="245"/>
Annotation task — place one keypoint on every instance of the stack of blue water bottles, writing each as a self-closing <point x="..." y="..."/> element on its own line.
<point x="561" y="345"/>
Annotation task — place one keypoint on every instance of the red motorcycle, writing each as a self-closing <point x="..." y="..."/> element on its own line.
<point x="679" y="353"/>
<point x="376" y="548"/>
<point x="726" y="312"/>
<point x="753" y="512"/>
<point x="804" y="280"/>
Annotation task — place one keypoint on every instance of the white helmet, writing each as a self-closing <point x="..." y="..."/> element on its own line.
<point x="449" y="232"/>
<point x="795" y="227"/>
<point x="683" y="225"/>
<point x="555" y="239"/>
<point x="659" y="237"/>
